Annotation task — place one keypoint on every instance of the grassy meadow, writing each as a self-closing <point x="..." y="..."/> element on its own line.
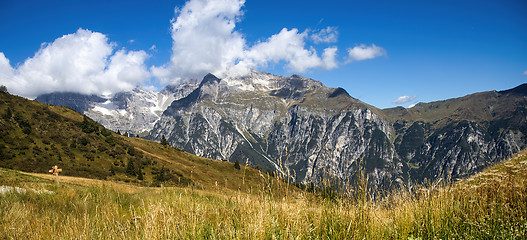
<point x="490" y="205"/>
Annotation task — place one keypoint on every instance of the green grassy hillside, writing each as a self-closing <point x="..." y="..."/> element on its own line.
<point x="35" y="136"/>
<point x="480" y="107"/>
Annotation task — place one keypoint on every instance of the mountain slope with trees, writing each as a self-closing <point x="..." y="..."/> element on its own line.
<point x="35" y="136"/>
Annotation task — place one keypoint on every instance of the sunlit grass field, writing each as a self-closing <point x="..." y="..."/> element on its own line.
<point x="490" y="205"/>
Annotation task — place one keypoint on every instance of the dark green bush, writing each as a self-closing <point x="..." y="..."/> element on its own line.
<point x="83" y="141"/>
<point x="88" y="126"/>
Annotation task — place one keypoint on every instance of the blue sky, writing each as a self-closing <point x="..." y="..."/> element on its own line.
<point x="425" y="50"/>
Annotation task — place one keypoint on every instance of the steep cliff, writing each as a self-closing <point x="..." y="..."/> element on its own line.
<point x="291" y="124"/>
<point x="459" y="137"/>
<point x="134" y="111"/>
<point x="310" y="132"/>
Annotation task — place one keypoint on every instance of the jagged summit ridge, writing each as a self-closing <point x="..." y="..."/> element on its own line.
<point x="262" y="81"/>
<point x="134" y="111"/>
<point x="319" y="132"/>
<point x="262" y="118"/>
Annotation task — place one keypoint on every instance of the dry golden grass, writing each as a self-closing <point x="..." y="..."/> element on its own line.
<point x="490" y="205"/>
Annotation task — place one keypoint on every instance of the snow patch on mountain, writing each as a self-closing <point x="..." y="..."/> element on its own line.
<point x="134" y="111"/>
<point x="254" y="80"/>
<point x="138" y="110"/>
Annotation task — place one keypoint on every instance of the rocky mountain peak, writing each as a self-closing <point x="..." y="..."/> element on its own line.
<point x="339" y="92"/>
<point x="76" y="101"/>
<point x="296" y="124"/>
<point x="134" y="111"/>
<point x="209" y="78"/>
<point x="262" y="118"/>
<point x="181" y="88"/>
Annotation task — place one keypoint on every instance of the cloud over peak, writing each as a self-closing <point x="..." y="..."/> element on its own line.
<point x="83" y="62"/>
<point x="204" y="40"/>
<point x="289" y="46"/>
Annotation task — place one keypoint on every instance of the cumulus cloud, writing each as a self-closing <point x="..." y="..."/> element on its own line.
<point x="205" y="40"/>
<point x="329" y="58"/>
<point x="363" y="52"/>
<point x="404" y="99"/>
<point x="326" y="35"/>
<point x="289" y="46"/>
<point x="83" y="62"/>
<point x="6" y="71"/>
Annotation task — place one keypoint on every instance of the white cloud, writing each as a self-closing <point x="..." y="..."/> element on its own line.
<point x="205" y="40"/>
<point x="81" y="62"/>
<point x="404" y="99"/>
<point x="326" y="35"/>
<point x="524" y="73"/>
<point x="363" y="52"/>
<point x="329" y="58"/>
<point x="6" y="71"/>
<point x="288" y="46"/>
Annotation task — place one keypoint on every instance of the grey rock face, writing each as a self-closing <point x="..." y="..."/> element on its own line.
<point x="75" y="101"/>
<point x="321" y="145"/>
<point x="134" y="112"/>
<point x="294" y="125"/>
<point x="459" y="149"/>
<point x="458" y="137"/>
<point x="311" y="133"/>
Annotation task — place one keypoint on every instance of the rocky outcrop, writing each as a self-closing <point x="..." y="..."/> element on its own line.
<point x="76" y="101"/>
<point x="310" y="132"/>
<point x="458" y="137"/>
<point x="294" y="125"/>
<point x="135" y="111"/>
<point x="459" y="149"/>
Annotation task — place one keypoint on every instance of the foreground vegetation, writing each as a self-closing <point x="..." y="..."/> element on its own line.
<point x="490" y="205"/>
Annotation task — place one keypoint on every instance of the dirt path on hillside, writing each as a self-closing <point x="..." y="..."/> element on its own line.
<point x="89" y="182"/>
<point x="151" y="154"/>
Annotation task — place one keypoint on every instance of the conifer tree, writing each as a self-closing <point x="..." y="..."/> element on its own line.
<point x="139" y="174"/>
<point x="237" y="164"/>
<point x="164" y="140"/>
<point x="8" y="114"/>
<point x="130" y="168"/>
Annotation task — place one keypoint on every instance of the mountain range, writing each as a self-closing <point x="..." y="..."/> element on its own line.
<point x="312" y="133"/>
<point x="134" y="112"/>
<point x="35" y="136"/>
